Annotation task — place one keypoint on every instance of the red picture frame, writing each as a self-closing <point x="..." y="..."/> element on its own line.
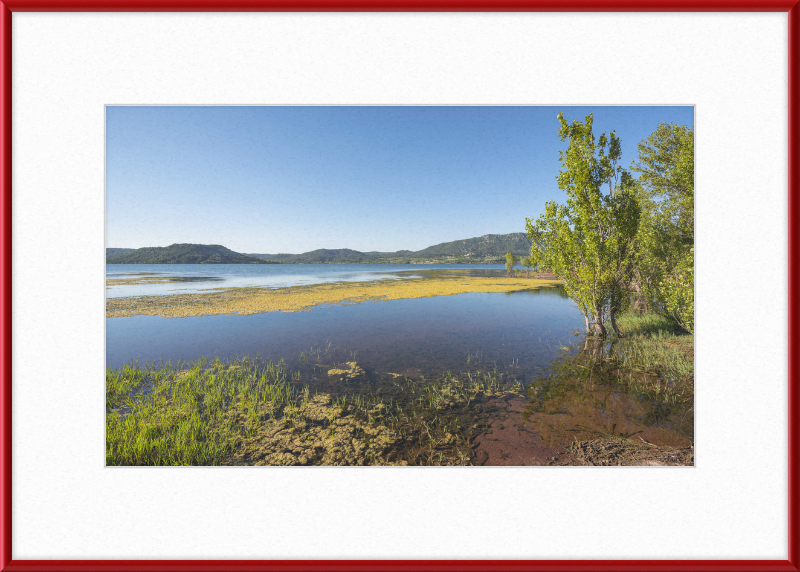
<point x="7" y="7"/>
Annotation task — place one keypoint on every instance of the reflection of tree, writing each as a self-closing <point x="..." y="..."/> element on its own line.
<point x="583" y="395"/>
<point x="558" y="291"/>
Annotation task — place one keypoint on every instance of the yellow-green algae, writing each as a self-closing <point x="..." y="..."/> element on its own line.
<point x="256" y="300"/>
<point x="246" y="412"/>
<point x="352" y="372"/>
<point x="328" y="435"/>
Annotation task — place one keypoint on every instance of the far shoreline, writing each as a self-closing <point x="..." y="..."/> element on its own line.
<point x="387" y="263"/>
<point x="248" y="300"/>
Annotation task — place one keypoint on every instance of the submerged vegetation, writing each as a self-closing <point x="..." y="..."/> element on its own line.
<point x="249" y="411"/>
<point x="326" y="408"/>
<point x="655" y="361"/>
<point x="620" y="388"/>
<point x="622" y="394"/>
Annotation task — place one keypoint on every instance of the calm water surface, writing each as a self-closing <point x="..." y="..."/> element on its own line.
<point x="434" y="332"/>
<point x="188" y="278"/>
<point x="521" y="333"/>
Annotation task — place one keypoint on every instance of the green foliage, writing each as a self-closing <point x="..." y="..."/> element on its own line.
<point x="665" y="262"/>
<point x="677" y="290"/>
<point x="528" y="263"/>
<point x="511" y="260"/>
<point x="666" y="174"/>
<point x="589" y="241"/>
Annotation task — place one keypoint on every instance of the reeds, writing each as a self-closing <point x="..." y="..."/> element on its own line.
<point x="656" y="353"/>
<point x="654" y="360"/>
<point x="248" y="411"/>
<point x="190" y="414"/>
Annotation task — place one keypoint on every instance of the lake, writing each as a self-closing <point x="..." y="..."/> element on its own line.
<point x="521" y="335"/>
<point x="195" y="277"/>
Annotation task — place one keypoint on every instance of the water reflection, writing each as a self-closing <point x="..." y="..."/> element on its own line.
<point x="583" y="396"/>
<point x="557" y="291"/>
<point x="265" y="275"/>
<point x="431" y="335"/>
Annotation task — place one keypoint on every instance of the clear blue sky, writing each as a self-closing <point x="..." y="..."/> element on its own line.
<point x="294" y="179"/>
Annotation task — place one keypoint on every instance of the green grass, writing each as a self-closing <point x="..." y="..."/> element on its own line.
<point x="654" y="360"/>
<point x="655" y="355"/>
<point x="190" y="415"/>
<point x="649" y="324"/>
<point x="213" y="412"/>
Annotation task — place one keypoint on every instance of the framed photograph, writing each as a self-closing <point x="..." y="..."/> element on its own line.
<point x="396" y="241"/>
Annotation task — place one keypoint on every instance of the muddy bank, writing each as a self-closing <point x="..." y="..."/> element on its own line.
<point x="604" y="453"/>
<point x="509" y="439"/>
<point x="506" y="440"/>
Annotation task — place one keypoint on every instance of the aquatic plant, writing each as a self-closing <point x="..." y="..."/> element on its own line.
<point x="249" y="411"/>
<point x="618" y="386"/>
<point x="255" y="300"/>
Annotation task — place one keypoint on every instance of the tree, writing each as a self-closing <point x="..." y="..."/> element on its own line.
<point x="677" y="288"/>
<point x="666" y="173"/>
<point x="665" y="259"/>
<point x="511" y="260"/>
<point x="527" y="262"/>
<point x="589" y="242"/>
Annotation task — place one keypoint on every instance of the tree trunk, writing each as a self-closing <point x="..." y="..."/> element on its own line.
<point x="616" y="304"/>
<point x="640" y="304"/>
<point x="613" y="315"/>
<point x="593" y="347"/>
<point x="589" y="330"/>
<point x="598" y="323"/>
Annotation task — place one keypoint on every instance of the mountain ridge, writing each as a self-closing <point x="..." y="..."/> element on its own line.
<point x="184" y="253"/>
<point x="486" y="249"/>
<point x="489" y="248"/>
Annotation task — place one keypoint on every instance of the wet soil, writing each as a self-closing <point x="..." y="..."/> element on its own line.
<point x="507" y="441"/>
<point x="605" y="453"/>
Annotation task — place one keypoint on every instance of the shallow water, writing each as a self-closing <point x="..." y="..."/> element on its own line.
<point x="528" y="336"/>
<point x="187" y="278"/>
<point x="433" y="334"/>
<point x="579" y="397"/>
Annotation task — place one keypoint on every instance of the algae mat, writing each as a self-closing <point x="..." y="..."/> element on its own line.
<point x="258" y="300"/>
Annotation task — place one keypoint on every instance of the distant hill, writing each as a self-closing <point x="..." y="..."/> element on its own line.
<point x="112" y="252"/>
<point x="489" y="248"/>
<point x="185" y="254"/>
<point x="482" y="246"/>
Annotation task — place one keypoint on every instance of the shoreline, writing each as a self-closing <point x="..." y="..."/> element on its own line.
<point x="257" y="300"/>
